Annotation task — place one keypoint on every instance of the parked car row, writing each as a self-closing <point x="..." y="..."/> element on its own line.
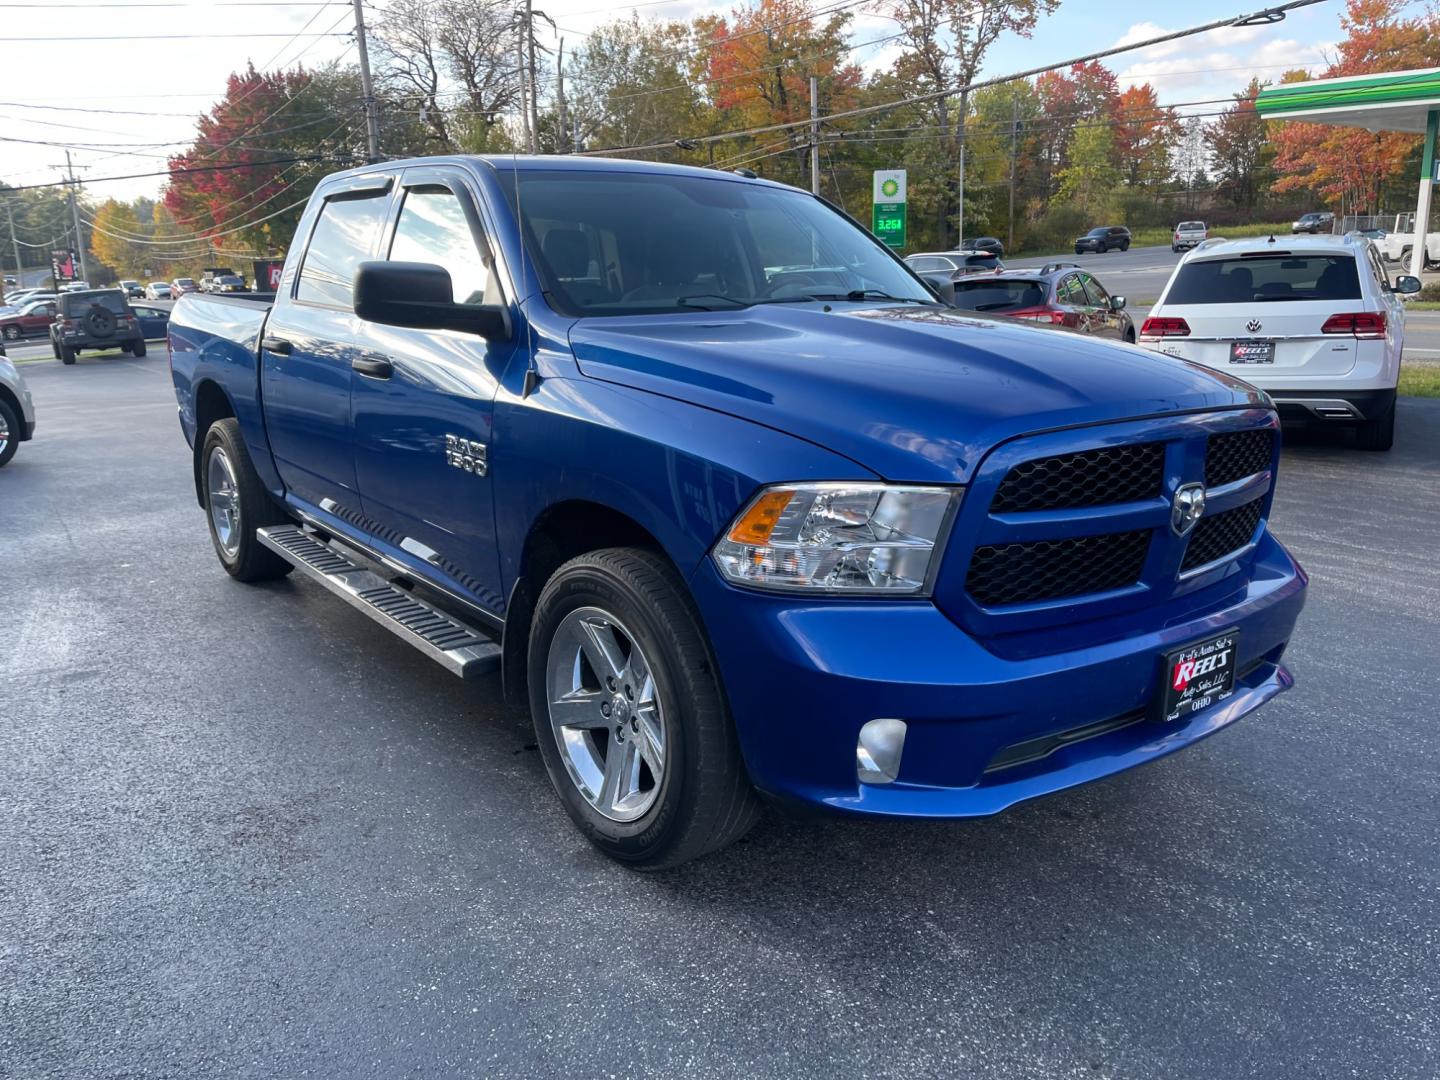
<point x="96" y="319"/>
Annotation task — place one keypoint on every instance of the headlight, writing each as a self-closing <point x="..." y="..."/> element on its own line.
<point x="837" y="537"/>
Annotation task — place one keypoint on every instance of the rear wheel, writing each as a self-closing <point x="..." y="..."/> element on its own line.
<point x="1377" y="434"/>
<point x="629" y="714"/>
<point x="1125" y="246"/>
<point x="68" y="355"/>
<point x="139" y="348"/>
<point x="237" y="504"/>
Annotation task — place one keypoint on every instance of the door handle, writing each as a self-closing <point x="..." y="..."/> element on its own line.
<point x="277" y="345"/>
<point x="373" y="367"/>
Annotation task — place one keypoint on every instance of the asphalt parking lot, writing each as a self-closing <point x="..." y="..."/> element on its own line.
<point x="243" y="833"/>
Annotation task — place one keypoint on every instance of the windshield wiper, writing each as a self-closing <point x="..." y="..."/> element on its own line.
<point x="869" y="294"/>
<point x="687" y="300"/>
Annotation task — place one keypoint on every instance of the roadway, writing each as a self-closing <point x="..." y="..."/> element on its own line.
<point x="244" y="833"/>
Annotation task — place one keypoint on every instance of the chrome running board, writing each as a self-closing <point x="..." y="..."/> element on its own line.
<point x="456" y="646"/>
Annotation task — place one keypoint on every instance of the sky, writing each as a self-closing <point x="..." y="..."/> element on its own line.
<point x="158" y="63"/>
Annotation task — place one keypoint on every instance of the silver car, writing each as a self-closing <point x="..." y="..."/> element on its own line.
<point x="17" y="410"/>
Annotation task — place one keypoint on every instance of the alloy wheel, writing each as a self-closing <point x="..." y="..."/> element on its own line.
<point x="224" y="501"/>
<point x="605" y="713"/>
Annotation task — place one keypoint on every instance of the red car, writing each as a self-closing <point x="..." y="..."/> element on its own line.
<point x="32" y="320"/>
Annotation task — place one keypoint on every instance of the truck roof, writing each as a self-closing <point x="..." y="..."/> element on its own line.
<point x="558" y="163"/>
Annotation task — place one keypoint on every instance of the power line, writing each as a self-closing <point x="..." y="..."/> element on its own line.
<point x="169" y="242"/>
<point x="178" y="172"/>
<point x="159" y="37"/>
<point x="1254" y="18"/>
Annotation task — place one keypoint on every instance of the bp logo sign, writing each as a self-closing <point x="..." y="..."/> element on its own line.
<point x="887" y="220"/>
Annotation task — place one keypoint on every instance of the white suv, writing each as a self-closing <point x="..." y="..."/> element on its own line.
<point x="1313" y="321"/>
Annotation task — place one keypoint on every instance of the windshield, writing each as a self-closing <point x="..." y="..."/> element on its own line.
<point x="228" y="279"/>
<point x="1271" y="278"/>
<point x="635" y="243"/>
<point x="184" y="281"/>
<point x="999" y="294"/>
<point x="1097" y="232"/>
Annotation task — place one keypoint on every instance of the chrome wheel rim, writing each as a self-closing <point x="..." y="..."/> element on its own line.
<point x="224" y="501"/>
<point x="605" y="714"/>
<point x="4" y="434"/>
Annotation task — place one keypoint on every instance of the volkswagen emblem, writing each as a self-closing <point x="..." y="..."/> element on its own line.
<point x="1253" y="326"/>
<point x="1187" y="507"/>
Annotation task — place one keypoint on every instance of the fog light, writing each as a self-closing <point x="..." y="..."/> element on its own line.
<point x="877" y="753"/>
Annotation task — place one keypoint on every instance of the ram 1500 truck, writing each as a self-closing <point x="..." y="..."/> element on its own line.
<point x="722" y="490"/>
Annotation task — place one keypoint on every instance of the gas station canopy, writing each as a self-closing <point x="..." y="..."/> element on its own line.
<point x="1394" y="101"/>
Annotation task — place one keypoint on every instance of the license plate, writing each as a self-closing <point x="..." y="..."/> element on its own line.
<point x="1198" y="675"/>
<point x="1252" y="352"/>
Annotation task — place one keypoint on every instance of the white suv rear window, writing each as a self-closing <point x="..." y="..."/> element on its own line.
<point x="1265" y="279"/>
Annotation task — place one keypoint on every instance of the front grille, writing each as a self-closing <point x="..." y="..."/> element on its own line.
<point x="1113" y="474"/>
<point x="1220" y="534"/>
<point x="1052" y="569"/>
<point x="1238" y="454"/>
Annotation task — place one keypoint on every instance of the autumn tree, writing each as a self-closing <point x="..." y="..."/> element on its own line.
<point x="1240" y="153"/>
<point x="1350" y="165"/>
<point x="947" y="41"/>
<point x="1090" y="179"/>
<point x="119" y="239"/>
<point x="1145" y="136"/>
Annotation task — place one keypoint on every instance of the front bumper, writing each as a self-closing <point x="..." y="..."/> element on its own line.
<point x="803" y="677"/>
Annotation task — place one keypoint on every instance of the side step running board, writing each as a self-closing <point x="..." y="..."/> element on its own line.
<point x="454" y="645"/>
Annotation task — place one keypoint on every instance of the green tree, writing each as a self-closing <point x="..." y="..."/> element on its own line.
<point x="1240" y="152"/>
<point x="1090" y="180"/>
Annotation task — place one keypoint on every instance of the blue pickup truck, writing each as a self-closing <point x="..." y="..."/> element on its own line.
<point x="729" y="496"/>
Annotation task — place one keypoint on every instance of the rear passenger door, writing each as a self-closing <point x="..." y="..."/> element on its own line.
<point x="422" y="422"/>
<point x="310" y="342"/>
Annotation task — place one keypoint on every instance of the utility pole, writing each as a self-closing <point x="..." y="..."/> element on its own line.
<point x="1014" y="132"/>
<point x="75" y="215"/>
<point x="372" y="121"/>
<point x="534" y="77"/>
<point x="560" y="132"/>
<point x="524" y="101"/>
<point x="14" y="243"/>
<point x="960" y="217"/>
<point x="814" y="136"/>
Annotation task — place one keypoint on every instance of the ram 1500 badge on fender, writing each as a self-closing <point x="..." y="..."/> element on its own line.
<point x="725" y="493"/>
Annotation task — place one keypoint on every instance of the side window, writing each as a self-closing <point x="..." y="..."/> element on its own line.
<point x="1070" y="291"/>
<point x="343" y="238"/>
<point x="1098" y="296"/>
<point x="927" y="265"/>
<point x="1380" y="275"/>
<point x="433" y="229"/>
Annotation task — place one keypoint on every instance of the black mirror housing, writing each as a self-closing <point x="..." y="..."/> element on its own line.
<point x="1406" y="284"/>
<point x="942" y="285"/>
<point x="419" y="295"/>
<point x="1117" y="303"/>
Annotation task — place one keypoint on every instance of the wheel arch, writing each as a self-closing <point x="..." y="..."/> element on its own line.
<point x="212" y="403"/>
<point x="558" y="534"/>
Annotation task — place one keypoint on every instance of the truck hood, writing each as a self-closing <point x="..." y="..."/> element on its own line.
<point x="914" y="394"/>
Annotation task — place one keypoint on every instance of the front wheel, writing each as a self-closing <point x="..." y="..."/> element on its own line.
<point x="237" y="504"/>
<point x="629" y="713"/>
<point x="9" y="432"/>
<point x="1125" y="246"/>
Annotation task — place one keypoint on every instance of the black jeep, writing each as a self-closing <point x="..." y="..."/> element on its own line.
<point x="95" y="319"/>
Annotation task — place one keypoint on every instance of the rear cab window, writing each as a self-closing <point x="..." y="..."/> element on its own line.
<point x="1266" y="279"/>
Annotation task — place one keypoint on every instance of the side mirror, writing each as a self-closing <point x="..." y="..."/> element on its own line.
<point x="419" y="295"/>
<point x="942" y="285"/>
<point x="1406" y="284"/>
<point x="1117" y="303"/>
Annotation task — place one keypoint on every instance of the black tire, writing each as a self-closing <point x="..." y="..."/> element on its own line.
<point x="68" y="355"/>
<point x="1377" y="434"/>
<point x="12" y="333"/>
<point x="138" y="349"/>
<point x="250" y="561"/>
<point x="1100" y="249"/>
<point x="1125" y="246"/>
<point x="10" y="423"/>
<point x="1174" y="249"/>
<point x="1129" y="337"/>
<point x="704" y="800"/>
